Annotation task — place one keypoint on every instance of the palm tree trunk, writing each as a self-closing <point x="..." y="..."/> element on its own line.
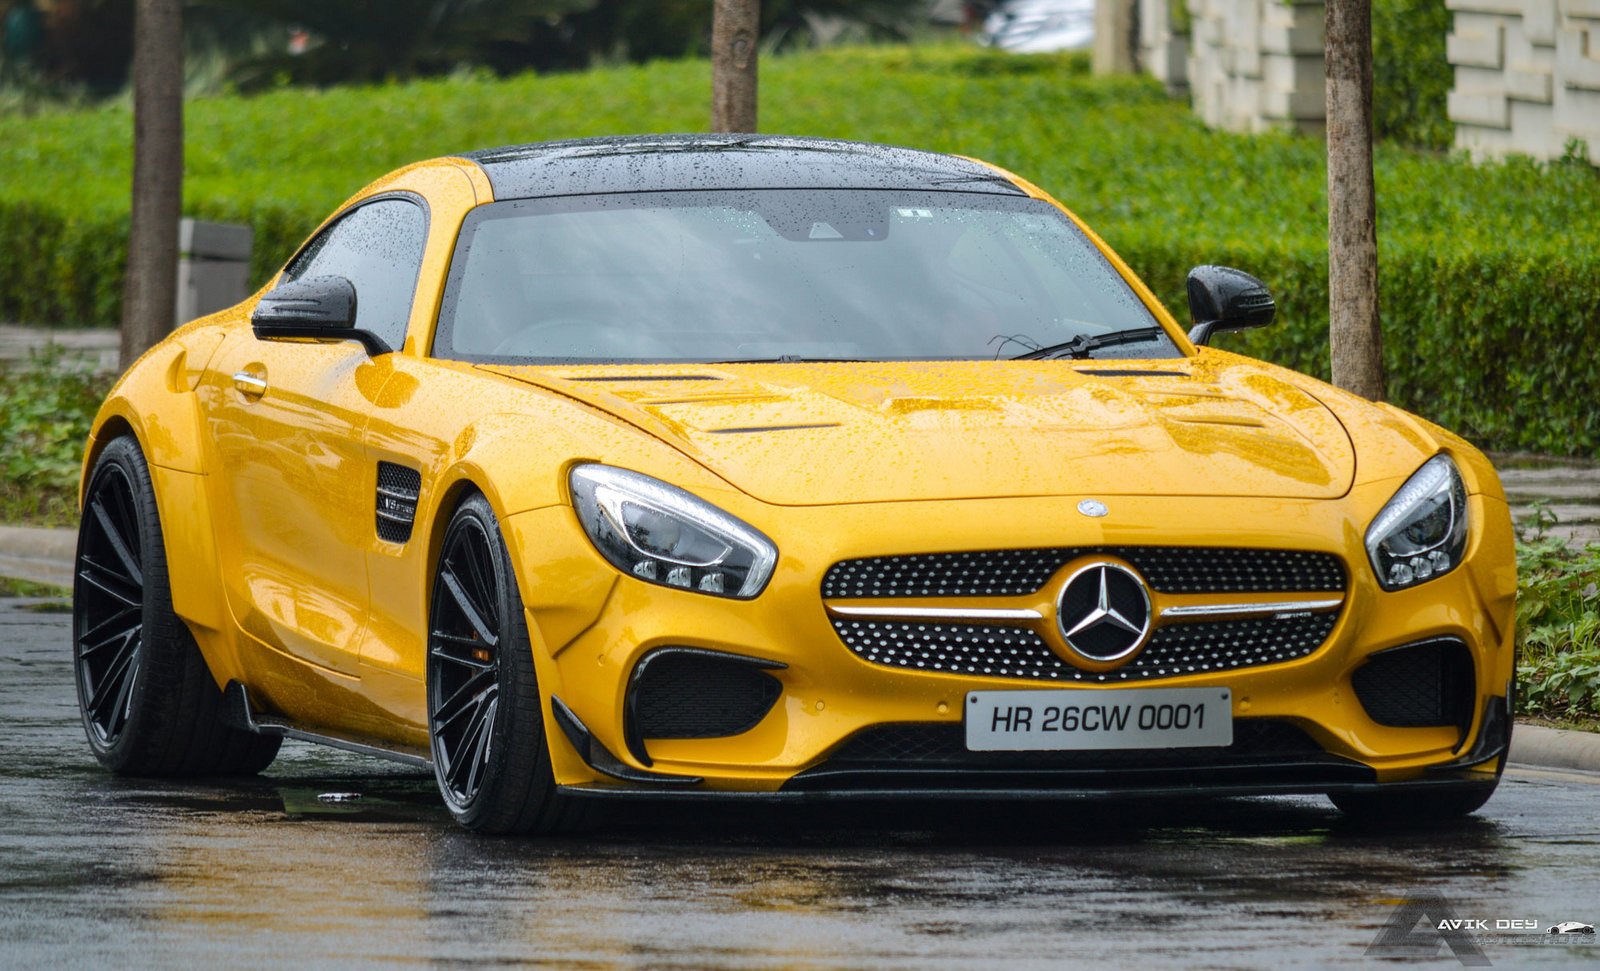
<point x="150" y="288"/>
<point x="735" y="32"/>
<point x="1355" y="335"/>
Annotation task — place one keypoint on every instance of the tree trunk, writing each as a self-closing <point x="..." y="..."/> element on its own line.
<point x="1355" y="337"/>
<point x="735" y="31"/>
<point x="150" y="288"/>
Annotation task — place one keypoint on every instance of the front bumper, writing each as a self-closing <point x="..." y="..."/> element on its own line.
<point x="592" y="626"/>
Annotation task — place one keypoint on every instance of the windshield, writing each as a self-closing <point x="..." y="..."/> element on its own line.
<point x="784" y="274"/>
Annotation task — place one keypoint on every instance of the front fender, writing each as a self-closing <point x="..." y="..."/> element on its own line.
<point x="155" y="402"/>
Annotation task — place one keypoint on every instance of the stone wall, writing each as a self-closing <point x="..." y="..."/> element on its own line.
<point x="1527" y="72"/>
<point x="1257" y="64"/>
<point x="1163" y="44"/>
<point x="1527" y="76"/>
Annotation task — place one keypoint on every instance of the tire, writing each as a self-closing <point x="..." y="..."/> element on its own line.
<point x="1415" y="809"/>
<point x="149" y="704"/>
<point x="485" y="717"/>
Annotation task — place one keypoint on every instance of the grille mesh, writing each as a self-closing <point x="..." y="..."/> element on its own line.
<point x="1002" y="573"/>
<point x="1016" y="652"/>
<point x="690" y="695"/>
<point x="1420" y="685"/>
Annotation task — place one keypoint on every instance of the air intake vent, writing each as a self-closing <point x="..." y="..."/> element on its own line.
<point x="682" y="692"/>
<point x="398" y="489"/>
<point x="1429" y="684"/>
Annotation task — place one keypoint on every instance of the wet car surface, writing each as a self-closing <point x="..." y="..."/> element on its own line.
<point x="102" y="870"/>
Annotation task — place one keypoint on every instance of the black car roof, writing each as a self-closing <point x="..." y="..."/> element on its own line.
<point x="652" y="163"/>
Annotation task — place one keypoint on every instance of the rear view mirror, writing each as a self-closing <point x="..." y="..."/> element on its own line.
<point x="1224" y="299"/>
<point x="318" y="307"/>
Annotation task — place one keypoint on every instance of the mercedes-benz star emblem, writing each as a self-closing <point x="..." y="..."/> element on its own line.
<point x="1093" y="507"/>
<point x="1104" y="612"/>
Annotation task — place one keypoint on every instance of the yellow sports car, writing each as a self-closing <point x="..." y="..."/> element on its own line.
<point x="710" y="467"/>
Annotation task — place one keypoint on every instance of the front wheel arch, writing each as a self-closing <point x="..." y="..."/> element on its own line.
<point x="112" y="428"/>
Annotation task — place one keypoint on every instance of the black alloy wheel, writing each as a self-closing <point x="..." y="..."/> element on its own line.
<point x="485" y="716"/>
<point x="109" y="603"/>
<point x="149" y="703"/>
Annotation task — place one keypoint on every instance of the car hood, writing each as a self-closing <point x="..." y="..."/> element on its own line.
<point x="829" y="433"/>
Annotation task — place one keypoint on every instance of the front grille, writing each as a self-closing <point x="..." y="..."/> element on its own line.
<point x="1429" y="684"/>
<point x="1009" y="573"/>
<point x="944" y="745"/>
<point x="681" y="693"/>
<point x="1016" y="652"/>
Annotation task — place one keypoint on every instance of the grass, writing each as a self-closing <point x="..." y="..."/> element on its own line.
<point x="10" y="587"/>
<point x="43" y="504"/>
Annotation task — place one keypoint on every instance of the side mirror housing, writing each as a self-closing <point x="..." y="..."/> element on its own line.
<point x="1224" y="299"/>
<point x="318" y="307"/>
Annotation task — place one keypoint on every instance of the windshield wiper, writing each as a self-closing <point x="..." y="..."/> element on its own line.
<point x="992" y="178"/>
<point x="1080" y="346"/>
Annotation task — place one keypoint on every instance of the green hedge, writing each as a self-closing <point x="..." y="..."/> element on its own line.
<point x="1499" y="347"/>
<point x="1490" y="274"/>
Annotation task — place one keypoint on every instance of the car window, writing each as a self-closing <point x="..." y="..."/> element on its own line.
<point x="802" y="273"/>
<point x="378" y="248"/>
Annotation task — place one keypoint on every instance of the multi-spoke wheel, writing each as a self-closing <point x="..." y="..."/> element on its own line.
<point x="150" y="706"/>
<point x="485" y="718"/>
<point x="110" y="604"/>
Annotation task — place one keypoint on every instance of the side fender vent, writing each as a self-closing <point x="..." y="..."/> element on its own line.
<point x="398" y="489"/>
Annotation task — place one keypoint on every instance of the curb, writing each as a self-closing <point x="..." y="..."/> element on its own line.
<point x="1555" y="748"/>
<point x="46" y="555"/>
<point x="38" y="555"/>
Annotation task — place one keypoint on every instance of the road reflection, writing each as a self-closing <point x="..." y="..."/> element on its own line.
<point x="97" y="870"/>
<point x="390" y="877"/>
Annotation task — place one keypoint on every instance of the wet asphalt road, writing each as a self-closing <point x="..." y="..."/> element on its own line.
<point x="99" y="871"/>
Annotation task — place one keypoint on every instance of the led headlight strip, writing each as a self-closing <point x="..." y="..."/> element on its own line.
<point x="1422" y="532"/>
<point x="662" y="534"/>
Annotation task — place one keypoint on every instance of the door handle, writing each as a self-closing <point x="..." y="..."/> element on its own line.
<point x="250" y="385"/>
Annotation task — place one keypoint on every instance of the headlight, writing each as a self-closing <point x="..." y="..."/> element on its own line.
<point x="662" y="534"/>
<point x="1422" y="532"/>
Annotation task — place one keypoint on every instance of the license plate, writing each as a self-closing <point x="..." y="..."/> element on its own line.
<point x="1118" y="718"/>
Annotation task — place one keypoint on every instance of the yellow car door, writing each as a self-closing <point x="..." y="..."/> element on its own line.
<point x="293" y="485"/>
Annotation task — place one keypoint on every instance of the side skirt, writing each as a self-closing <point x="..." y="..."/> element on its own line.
<point x="238" y="713"/>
